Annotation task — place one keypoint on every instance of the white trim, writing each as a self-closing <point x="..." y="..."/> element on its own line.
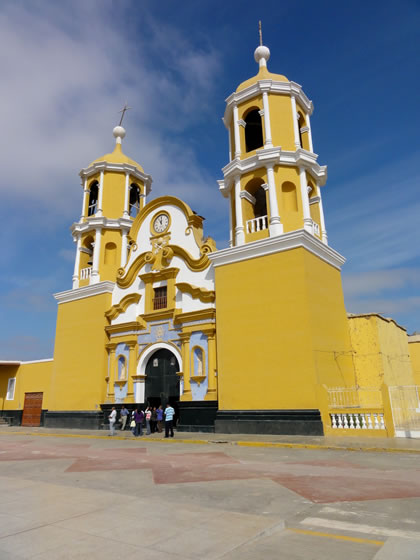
<point x="248" y="196"/>
<point x="124" y="167"/>
<point x="271" y="245"/>
<point x="272" y="86"/>
<point x="105" y="287"/>
<point x="150" y="350"/>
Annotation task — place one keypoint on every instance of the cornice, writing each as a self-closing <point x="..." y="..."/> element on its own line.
<point x="119" y="167"/>
<point x="106" y="287"/>
<point x="93" y="222"/>
<point x="273" y="156"/>
<point x="269" y="86"/>
<point x="285" y="242"/>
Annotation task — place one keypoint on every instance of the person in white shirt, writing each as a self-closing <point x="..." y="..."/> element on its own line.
<point x="112" y="419"/>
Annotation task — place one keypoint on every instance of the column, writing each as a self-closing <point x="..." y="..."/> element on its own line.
<point x="132" y="366"/>
<point x="212" y="381"/>
<point x="111" y="371"/>
<point x="267" y="124"/>
<point x="324" y="235"/>
<point x="307" y="220"/>
<point x="239" y="229"/>
<point x="185" y="353"/>
<point x="127" y="195"/>
<point x="77" y="263"/>
<point x="101" y="194"/>
<point x="308" y="121"/>
<point x="275" y="226"/>
<point x="85" y="200"/>
<point x="124" y="245"/>
<point x="295" y="123"/>
<point x="236" y="129"/>
<point x="95" y="278"/>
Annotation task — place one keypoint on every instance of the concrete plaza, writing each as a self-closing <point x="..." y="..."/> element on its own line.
<point x="73" y="494"/>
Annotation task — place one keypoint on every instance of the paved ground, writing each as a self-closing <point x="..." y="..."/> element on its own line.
<point x="77" y="495"/>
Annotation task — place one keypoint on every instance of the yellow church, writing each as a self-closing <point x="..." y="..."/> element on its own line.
<point x="253" y="338"/>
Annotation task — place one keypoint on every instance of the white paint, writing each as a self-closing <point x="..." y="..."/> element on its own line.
<point x="359" y="528"/>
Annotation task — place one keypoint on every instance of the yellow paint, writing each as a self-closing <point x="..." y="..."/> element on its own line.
<point x="414" y="349"/>
<point x="80" y="356"/>
<point x="381" y="352"/>
<point x="293" y="298"/>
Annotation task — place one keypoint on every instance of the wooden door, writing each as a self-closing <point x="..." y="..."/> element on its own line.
<point x="32" y="409"/>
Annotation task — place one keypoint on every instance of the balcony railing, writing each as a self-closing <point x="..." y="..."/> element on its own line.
<point x="257" y="224"/>
<point x="160" y="302"/>
<point x="86" y="273"/>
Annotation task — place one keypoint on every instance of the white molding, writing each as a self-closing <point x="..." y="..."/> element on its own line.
<point x="248" y="196"/>
<point x="105" y="287"/>
<point x="274" y="156"/>
<point x="271" y="245"/>
<point x="122" y="167"/>
<point x="272" y="86"/>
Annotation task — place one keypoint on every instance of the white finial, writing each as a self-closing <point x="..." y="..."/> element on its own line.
<point x="119" y="133"/>
<point x="262" y="53"/>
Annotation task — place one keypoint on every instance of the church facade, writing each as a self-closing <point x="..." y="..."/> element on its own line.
<point x="253" y="338"/>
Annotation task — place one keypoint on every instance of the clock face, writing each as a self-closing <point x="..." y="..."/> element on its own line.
<point x="161" y="223"/>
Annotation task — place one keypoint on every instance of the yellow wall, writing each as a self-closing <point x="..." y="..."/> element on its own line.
<point x="414" y="350"/>
<point x="281" y="330"/>
<point x="80" y="357"/>
<point x="30" y="378"/>
<point x="380" y="351"/>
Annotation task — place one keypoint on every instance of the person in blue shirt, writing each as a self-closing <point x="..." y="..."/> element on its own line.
<point x="169" y="420"/>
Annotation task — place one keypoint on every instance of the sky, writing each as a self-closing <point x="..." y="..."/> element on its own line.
<point x="68" y="67"/>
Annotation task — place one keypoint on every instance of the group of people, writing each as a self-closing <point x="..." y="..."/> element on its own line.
<point x="154" y="418"/>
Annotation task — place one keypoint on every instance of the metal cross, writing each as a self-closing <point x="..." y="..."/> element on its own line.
<point x="260" y="32"/>
<point x="123" y="111"/>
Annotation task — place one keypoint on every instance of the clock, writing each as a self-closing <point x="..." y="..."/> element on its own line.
<point x="160" y="223"/>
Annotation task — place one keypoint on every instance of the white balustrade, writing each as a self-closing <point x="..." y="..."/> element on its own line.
<point x="257" y="224"/>
<point x="86" y="273"/>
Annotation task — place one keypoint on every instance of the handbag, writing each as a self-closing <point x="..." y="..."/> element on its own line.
<point x="132" y="424"/>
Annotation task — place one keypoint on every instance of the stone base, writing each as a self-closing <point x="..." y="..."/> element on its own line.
<point x="197" y="416"/>
<point x="77" y="419"/>
<point x="282" y="422"/>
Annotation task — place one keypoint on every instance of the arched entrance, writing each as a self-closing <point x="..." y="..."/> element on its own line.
<point x="162" y="382"/>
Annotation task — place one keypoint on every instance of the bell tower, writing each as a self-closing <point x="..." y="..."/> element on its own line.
<point x="273" y="178"/>
<point x="281" y="324"/>
<point x="114" y="191"/>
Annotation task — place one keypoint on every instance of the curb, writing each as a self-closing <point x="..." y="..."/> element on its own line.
<point x="266" y="444"/>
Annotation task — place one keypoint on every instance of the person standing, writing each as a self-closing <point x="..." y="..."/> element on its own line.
<point x="124" y="415"/>
<point x="112" y="419"/>
<point x="169" y="420"/>
<point x="148" y="413"/>
<point x="159" y="415"/>
<point x="138" y="418"/>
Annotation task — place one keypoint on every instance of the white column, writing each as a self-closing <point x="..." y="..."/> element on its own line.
<point x="77" y="263"/>
<point x="101" y="194"/>
<point x="322" y="218"/>
<point x="236" y="129"/>
<point x="239" y="229"/>
<point x="95" y="278"/>
<point x="127" y="194"/>
<point x="307" y="220"/>
<point x="267" y="124"/>
<point x="124" y="248"/>
<point x="295" y="122"/>
<point x="85" y="198"/>
<point x="275" y="226"/>
<point x="308" y="122"/>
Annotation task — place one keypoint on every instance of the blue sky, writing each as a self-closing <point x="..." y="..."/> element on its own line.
<point x="68" y="67"/>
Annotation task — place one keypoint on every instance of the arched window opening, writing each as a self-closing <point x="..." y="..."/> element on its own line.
<point x="253" y="131"/>
<point x="122" y="369"/>
<point x="93" y="198"/>
<point x="134" y="201"/>
<point x="289" y="196"/>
